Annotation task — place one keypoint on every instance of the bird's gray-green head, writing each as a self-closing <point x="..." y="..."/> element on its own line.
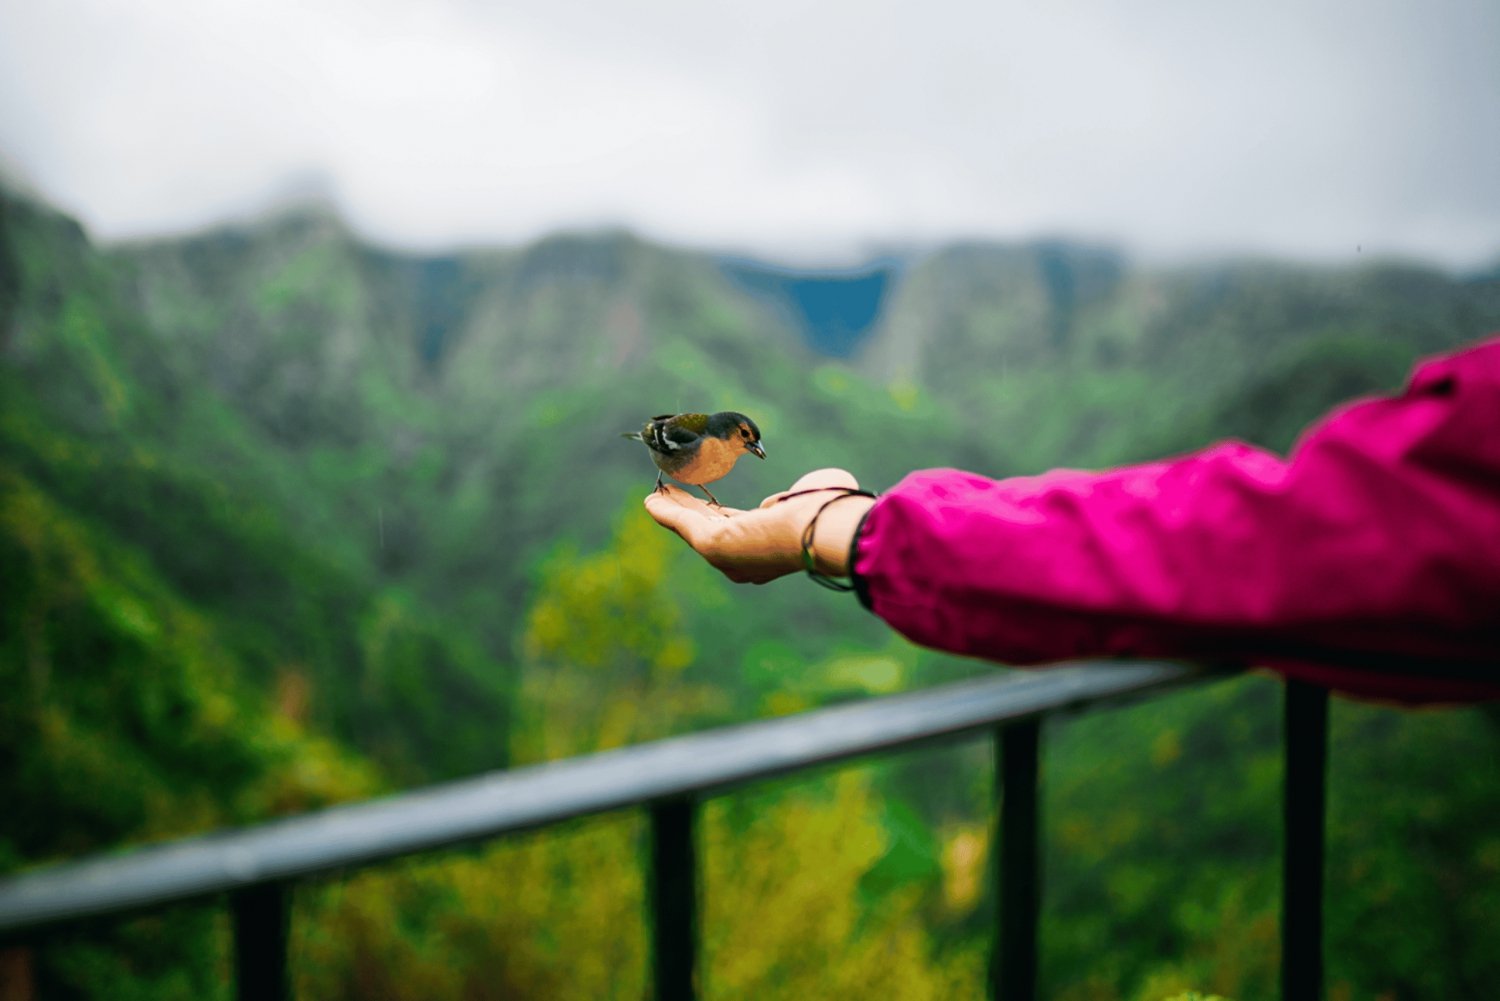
<point x="732" y="425"/>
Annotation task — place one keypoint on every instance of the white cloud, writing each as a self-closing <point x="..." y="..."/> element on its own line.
<point x="1294" y="127"/>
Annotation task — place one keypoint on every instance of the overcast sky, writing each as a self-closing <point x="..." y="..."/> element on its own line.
<point x="789" y="127"/>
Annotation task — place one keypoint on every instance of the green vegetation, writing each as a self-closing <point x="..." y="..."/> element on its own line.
<point x="287" y="520"/>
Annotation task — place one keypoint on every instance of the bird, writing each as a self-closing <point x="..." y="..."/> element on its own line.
<point x="698" y="448"/>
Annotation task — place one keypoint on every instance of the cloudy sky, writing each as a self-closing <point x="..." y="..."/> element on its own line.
<point x="791" y="127"/>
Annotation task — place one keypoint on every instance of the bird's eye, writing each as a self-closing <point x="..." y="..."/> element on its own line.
<point x="745" y="433"/>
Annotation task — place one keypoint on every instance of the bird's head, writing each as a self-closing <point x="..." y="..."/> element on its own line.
<point x="736" y="427"/>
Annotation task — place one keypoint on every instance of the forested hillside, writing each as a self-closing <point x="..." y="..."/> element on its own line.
<point x="287" y="519"/>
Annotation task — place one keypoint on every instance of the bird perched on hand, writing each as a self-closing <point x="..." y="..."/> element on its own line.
<point x="698" y="448"/>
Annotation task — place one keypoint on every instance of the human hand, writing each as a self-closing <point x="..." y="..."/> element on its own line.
<point x="760" y="545"/>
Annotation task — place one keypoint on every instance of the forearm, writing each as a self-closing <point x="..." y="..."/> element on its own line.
<point x="833" y="535"/>
<point x="1378" y="544"/>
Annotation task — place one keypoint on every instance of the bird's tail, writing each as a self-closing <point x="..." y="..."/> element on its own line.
<point x="632" y="435"/>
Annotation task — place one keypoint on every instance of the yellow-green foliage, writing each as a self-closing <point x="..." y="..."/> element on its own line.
<point x="604" y="649"/>
<point x="785" y="916"/>
<point x="557" y="914"/>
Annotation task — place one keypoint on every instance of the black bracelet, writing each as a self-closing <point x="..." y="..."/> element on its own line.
<point x="807" y="535"/>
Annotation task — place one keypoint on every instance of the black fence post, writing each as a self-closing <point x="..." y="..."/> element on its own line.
<point x="1304" y="792"/>
<point x="262" y="919"/>
<point x="1014" y="963"/>
<point x="674" y="899"/>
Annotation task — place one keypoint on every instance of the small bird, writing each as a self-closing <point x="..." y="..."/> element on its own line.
<point x="698" y="448"/>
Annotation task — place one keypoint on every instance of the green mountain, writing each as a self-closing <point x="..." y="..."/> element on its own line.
<point x="287" y="518"/>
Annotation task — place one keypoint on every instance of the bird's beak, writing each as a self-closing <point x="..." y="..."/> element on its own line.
<point x="757" y="448"/>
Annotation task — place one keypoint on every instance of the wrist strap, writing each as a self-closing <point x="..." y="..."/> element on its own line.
<point x="808" y="560"/>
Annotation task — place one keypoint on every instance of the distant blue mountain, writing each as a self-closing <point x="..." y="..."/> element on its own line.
<point x="833" y="308"/>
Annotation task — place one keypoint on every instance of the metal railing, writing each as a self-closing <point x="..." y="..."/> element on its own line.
<point x="257" y="867"/>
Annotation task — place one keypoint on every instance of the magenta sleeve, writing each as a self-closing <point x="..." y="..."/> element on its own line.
<point x="1368" y="560"/>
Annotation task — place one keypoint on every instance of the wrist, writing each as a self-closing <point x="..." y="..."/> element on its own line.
<point x="833" y="536"/>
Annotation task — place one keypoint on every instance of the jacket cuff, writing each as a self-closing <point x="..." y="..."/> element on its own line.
<point x="861" y="585"/>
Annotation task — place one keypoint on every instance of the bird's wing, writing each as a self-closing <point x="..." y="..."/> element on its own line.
<point x="674" y="432"/>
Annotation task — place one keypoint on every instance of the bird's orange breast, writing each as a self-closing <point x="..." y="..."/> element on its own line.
<point x="715" y="458"/>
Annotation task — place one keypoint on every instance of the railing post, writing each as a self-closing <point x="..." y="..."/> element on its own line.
<point x="1013" y="972"/>
<point x="17" y="974"/>
<point x="262" y="917"/>
<point x="1306" y="735"/>
<point x="674" y="899"/>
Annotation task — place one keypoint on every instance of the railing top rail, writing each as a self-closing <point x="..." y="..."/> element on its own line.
<point x="469" y="810"/>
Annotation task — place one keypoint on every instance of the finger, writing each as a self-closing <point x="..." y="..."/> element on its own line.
<point x="677" y="512"/>
<point x="818" y="478"/>
<point x="700" y="505"/>
<point x="676" y="495"/>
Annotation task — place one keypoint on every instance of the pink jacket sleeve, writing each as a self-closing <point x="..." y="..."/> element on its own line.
<point x="1369" y="560"/>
